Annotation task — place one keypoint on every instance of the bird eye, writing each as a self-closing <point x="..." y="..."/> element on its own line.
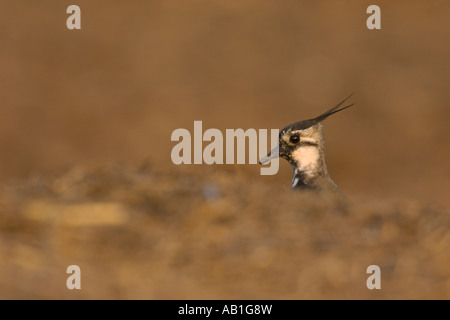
<point x="294" y="139"/>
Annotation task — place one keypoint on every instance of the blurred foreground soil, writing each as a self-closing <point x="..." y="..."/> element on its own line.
<point x="212" y="234"/>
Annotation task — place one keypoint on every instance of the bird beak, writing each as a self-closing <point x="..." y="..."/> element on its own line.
<point x="271" y="155"/>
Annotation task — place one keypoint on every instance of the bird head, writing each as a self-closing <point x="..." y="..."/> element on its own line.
<point x="299" y="142"/>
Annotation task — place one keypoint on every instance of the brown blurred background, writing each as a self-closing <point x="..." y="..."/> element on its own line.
<point x="114" y="91"/>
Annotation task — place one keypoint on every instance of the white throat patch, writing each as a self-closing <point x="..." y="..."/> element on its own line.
<point x="307" y="158"/>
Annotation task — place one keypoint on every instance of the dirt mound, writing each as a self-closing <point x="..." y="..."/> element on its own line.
<point x="213" y="234"/>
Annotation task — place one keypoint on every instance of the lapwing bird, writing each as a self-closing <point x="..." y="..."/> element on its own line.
<point x="302" y="145"/>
